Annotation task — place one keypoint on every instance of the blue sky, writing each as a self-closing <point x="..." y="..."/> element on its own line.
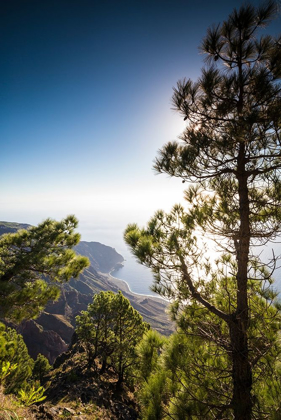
<point x="85" y="104"/>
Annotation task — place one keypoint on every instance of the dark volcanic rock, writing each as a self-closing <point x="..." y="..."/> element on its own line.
<point x="38" y="340"/>
<point x="70" y="303"/>
<point x="72" y="380"/>
<point x="58" y="323"/>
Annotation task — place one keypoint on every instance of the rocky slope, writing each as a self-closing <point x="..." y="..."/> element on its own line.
<point x="76" y="390"/>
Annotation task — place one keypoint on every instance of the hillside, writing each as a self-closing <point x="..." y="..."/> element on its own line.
<point x="73" y="391"/>
<point x="50" y="334"/>
<point x="11" y="227"/>
<point x="103" y="258"/>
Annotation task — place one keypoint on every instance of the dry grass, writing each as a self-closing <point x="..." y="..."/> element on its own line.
<point x="9" y="410"/>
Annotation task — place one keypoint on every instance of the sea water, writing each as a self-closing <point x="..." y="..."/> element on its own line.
<point x="140" y="278"/>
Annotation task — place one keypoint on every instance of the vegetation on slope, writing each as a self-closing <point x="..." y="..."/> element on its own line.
<point x="27" y="257"/>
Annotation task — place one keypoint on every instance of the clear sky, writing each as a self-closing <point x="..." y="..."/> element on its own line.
<point x="85" y="104"/>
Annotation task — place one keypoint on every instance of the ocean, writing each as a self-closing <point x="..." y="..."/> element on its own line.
<point x="138" y="277"/>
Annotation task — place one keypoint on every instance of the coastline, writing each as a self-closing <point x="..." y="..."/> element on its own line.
<point x="154" y="309"/>
<point x="128" y="289"/>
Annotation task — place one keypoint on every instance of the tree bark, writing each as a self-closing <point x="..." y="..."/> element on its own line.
<point x="103" y="366"/>
<point x="241" y="372"/>
<point x="241" y="367"/>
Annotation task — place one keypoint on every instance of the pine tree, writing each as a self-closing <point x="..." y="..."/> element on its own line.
<point x="31" y="261"/>
<point x="15" y="352"/>
<point x="148" y="351"/>
<point x="128" y="328"/>
<point x="94" y="328"/>
<point x="195" y="366"/>
<point x="231" y="153"/>
<point x="41" y="367"/>
<point x="111" y="328"/>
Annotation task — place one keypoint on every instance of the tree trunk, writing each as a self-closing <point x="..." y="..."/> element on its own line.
<point x="103" y="366"/>
<point x="91" y="357"/>
<point x="241" y="372"/>
<point x="241" y="368"/>
<point x="120" y="381"/>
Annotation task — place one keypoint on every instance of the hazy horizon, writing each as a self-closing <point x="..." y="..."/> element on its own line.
<point x="86" y="103"/>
